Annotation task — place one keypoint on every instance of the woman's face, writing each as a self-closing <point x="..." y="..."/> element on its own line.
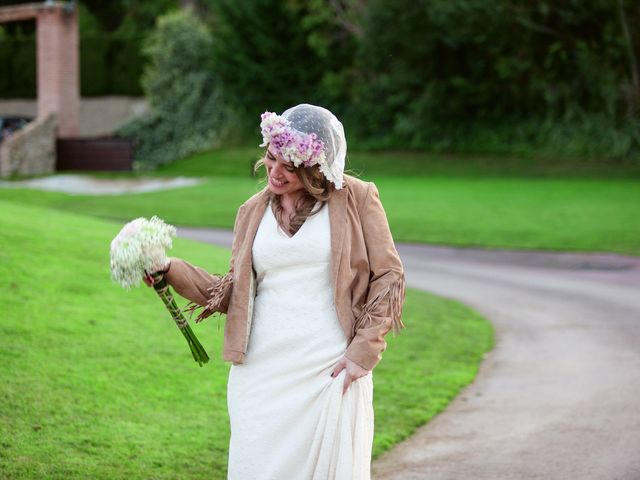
<point x="281" y="174"/>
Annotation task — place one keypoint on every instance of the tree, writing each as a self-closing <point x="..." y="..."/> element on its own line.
<point x="187" y="111"/>
<point x="474" y="74"/>
<point x="263" y="57"/>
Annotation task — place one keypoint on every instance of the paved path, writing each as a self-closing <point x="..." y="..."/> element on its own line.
<point x="559" y="396"/>
<point x="81" y="184"/>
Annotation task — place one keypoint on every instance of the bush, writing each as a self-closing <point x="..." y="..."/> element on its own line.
<point x="263" y="57"/>
<point x="187" y="112"/>
<point x="496" y="77"/>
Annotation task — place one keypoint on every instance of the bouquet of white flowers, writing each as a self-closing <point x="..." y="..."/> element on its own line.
<point x="139" y="251"/>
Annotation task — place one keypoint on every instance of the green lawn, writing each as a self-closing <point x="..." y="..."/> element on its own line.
<point x="97" y="383"/>
<point x="571" y="214"/>
<point x="230" y="161"/>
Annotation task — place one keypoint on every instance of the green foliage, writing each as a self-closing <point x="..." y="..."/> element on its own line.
<point x="187" y="109"/>
<point x="332" y="30"/>
<point x="273" y="54"/>
<point x="111" y="60"/>
<point x="518" y="77"/>
<point x="495" y="76"/>
<point x="465" y="75"/>
<point x="262" y="56"/>
<point x="17" y="57"/>
<point x="113" y="66"/>
<point x="128" y="16"/>
<point x="110" y="64"/>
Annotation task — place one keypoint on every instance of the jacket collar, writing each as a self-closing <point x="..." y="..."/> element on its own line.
<point x="257" y="212"/>
<point x="338" y="220"/>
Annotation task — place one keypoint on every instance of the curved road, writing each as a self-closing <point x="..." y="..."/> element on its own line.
<point x="559" y="396"/>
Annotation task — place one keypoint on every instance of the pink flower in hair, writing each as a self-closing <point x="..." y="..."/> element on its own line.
<point x="296" y="147"/>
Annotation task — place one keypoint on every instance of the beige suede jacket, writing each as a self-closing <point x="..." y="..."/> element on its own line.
<point x="367" y="275"/>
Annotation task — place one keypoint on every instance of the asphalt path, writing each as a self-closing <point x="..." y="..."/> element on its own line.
<point x="559" y="396"/>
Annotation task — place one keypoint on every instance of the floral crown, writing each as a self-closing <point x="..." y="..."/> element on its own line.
<point x="296" y="147"/>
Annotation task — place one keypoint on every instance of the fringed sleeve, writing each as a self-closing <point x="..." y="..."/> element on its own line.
<point x="382" y="308"/>
<point x="208" y="292"/>
<point x="219" y="295"/>
<point x="393" y="298"/>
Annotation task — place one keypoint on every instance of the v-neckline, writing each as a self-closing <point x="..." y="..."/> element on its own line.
<point x="273" y="216"/>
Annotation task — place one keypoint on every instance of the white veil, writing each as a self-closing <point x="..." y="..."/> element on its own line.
<point x="307" y="118"/>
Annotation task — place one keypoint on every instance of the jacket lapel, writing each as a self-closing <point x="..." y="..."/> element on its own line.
<point x="253" y="222"/>
<point x="338" y="222"/>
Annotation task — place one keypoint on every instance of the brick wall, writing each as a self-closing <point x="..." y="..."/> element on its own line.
<point x="58" y="68"/>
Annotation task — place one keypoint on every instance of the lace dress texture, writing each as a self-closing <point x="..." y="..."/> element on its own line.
<point x="289" y="418"/>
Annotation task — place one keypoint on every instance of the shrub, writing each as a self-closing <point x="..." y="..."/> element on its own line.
<point x="498" y="76"/>
<point x="187" y="111"/>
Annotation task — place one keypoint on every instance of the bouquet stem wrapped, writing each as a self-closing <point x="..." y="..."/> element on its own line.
<point x="161" y="287"/>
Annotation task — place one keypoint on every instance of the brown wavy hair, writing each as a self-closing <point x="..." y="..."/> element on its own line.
<point x="316" y="189"/>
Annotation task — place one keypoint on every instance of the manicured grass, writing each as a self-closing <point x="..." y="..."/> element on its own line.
<point x="97" y="383"/>
<point x="527" y="213"/>
<point x="213" y="203"/>
<point x="571" y="214"/>
<point x="223" y="162"/>
<point x="237" y="161"/>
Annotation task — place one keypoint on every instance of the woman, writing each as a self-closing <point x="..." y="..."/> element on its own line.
<point x="314" y="285"/>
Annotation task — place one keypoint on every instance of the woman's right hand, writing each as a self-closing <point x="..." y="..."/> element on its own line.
<point x="148" y="278"/>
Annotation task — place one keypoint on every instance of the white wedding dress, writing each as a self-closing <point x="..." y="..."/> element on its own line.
<point x="289" y="419"/>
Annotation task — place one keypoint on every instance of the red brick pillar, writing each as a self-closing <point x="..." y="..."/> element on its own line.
<point x="58" y="67"/>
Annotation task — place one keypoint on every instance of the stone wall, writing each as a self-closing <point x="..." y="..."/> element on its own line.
<point x="31" y="150"/>
<point x="99" y="116"/>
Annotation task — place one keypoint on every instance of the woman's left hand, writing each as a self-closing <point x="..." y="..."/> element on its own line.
<point x="353" y="371"/>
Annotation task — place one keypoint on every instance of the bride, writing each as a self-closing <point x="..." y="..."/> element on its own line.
<point x="314" y="285"/>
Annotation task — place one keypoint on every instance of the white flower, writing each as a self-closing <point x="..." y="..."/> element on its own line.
<point x="140" y="247"/>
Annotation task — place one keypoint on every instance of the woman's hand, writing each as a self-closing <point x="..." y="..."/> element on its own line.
<point x="148" y="278"/>
<point x="353" y="372"/>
